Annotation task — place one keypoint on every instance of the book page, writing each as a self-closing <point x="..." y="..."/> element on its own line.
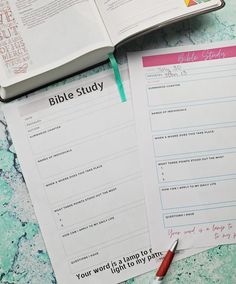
<point x="38" y="35"/>
<point x="184" y="103"/>
<point x="125" y="18"/>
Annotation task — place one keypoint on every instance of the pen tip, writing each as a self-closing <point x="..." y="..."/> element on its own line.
<point x="174" y="246"/>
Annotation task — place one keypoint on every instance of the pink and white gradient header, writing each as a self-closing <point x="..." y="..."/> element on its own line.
<point x="189" y="56"/>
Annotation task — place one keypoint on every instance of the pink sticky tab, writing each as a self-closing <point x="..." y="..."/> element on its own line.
<point x="189" y="56"/>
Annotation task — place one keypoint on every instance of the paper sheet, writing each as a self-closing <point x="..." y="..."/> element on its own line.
<point x="184" y="103"/>
<point x="77" y="147"/>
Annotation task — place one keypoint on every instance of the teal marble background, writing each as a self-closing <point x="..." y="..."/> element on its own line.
<point x="23" y="256"/>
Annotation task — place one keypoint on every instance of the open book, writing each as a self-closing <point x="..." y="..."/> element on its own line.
<point x="45" y="40"/>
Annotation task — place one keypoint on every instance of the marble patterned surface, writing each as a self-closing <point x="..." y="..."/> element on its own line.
<point x="23" y="256"/>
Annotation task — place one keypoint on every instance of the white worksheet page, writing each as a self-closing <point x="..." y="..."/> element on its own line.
<point x="184" y="104"/>
<point x="77" y="148"/>
<point x="78" y="152"/>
